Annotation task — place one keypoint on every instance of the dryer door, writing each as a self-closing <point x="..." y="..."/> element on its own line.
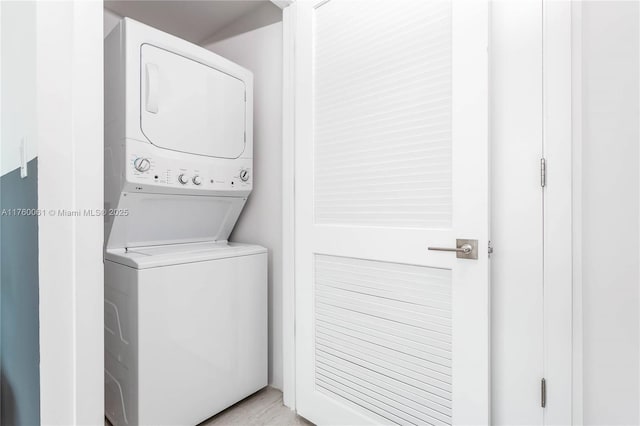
<point x="190" y="107"/>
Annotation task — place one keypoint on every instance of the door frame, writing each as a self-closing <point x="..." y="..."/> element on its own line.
<point x="70" y="177"/>
<point x="288" y="209"/>
<point x="563" y="352"/>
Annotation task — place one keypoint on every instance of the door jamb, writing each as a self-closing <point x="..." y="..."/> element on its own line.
<point x="288" y="208"/>
<point x="70" y="178"/>
<point x="559" y="285"/>
<point x="576" y="217"/>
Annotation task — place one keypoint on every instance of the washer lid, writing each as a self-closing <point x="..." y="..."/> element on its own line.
<point x="176" y="254"/>
<point x="190" y="107"/>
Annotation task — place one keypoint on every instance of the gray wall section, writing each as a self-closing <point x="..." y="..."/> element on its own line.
<point x="20" y="353"/>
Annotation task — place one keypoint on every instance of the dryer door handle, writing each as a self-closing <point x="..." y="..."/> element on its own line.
<point x="153" y="88"/>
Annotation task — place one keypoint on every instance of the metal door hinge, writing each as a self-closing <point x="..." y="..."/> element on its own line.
<point x="490" y="249"/>
<point x="543" y="393"/>
<point x="543" y="172"/>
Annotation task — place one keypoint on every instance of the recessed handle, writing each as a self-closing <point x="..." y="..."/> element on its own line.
<point x="465" y="249"/>
<point x="153" y="87"/>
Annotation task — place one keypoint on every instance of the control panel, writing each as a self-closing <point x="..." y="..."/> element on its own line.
<point x="151" y="167"/>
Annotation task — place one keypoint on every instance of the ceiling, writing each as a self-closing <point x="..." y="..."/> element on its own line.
<point x="192" y="20"/>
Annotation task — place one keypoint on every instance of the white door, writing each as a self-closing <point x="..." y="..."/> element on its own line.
<point x="391" y="158"/>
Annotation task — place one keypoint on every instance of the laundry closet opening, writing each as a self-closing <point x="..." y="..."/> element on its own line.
<point x="193" y="238"/>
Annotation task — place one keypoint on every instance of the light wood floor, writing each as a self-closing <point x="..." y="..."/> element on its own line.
<point x="263" y="408"/>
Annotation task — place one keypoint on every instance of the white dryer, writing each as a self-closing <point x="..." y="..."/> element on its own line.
<point x="185" y="311"/>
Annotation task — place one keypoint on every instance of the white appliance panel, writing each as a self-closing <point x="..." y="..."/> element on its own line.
<point x="184" y="341"/>
<point x="190" y="107"/>
<point x="176" y="254"/>
<point x="215" y="176"/>
<point x="153" y="219"/>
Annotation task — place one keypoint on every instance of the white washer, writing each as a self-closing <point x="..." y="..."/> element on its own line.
<point x="186" y="331"/>
<point x="185" y="311"/>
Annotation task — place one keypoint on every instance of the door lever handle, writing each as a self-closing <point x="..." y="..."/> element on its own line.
<point x="465" y="249"/>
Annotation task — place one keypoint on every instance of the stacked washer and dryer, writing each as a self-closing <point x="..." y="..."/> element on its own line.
<point x="185" y="310"/>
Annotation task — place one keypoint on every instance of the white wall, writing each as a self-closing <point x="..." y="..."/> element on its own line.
<point x="110" y="20"/>
<point x="19" y="322"/>
<point x="260" y="51"/>
<point x="610" y="211"/>
<point x="266" y="14"/>
<point x="18" y="74"/>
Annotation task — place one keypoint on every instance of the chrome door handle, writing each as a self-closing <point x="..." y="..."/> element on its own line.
<point x="465" y="249"/>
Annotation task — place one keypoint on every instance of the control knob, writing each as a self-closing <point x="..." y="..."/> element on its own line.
<point x="183" y="179"/>
<point x="196" y="180"/>
<point x="244" y="175"/>
<point x="142" y="164"/>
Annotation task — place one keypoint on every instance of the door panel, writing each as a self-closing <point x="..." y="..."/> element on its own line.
<point x="383" y="330"/>
<point x="190" y="107"/>
<point x="382" y="116"/>
<point x="391" y="158"/>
